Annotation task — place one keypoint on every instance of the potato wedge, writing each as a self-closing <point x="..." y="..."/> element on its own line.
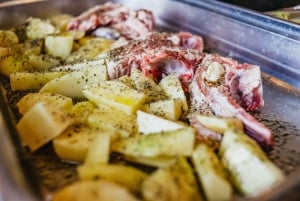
<point x="146" y="121"/>
<point x="21" y="81"/>
<point x="38" y="28"/>
<point x="72" y="83"/>
<point x="8" y="38"/>
<point x="104" y="118"/>
<point x="81" y="111"/>
<point x="99" y="149"/>
<point x="211" y="174"/>
<point x="114" y="94"/>
<point x="172" y="87"/>
<point x="42" y="62"/>
<point x="168" y="109"/>
<point x="13" y="63"/>
<point x="51" y="122"/>
<point x="127" y="176"/>
<point x="176" y="182"/>
<point x="158" y="144"/>
<point x="250" y="169"/>
<point x="93" y="191"/>
<point x="219" y="124"/>
<point x="74" y="142"/>
<point x="89" y="50"/>
<point x="147" y="86"/>
<point x="59" y="45"/>
<point x="30" y="99"/>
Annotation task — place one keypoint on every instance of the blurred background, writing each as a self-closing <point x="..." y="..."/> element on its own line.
<point x="264" y="5"/>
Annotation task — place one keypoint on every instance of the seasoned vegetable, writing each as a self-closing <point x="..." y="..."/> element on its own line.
<point x="51" y="122"/>
<point x="129" y="177"/>
<point x="211" y="174"/>
<point x="94" y="191"/>
<point x="250" y="170"/>
<point x="158" y="144"/>
<point x="114" y="94"/>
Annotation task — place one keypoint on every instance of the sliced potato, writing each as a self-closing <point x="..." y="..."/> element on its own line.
<point x="13" y="63"/>
<point x="38" y="28"/>
<point x="42" y="62"/>
<point x="74" y="142"/>
<point x="8" y="38"/>
<point x="146" y="121"/>
<point x="60" y="21"/>
<point x="219" y="124"/>
<point x="89" y="50"/>
<point x="127" y="176"/>
<point x="114" y="94"/>
<point x="59" y="45"/>
<point x="93" y="191"/>
<point x="168" y="109"/>
<point x="25" y="80"/>
<point x="81" y="111"/>
<point x="172" y="87"/>
<point x="99" y="150"/>
<point x="30" y="99"/>
<point x="126" y="80"/>
<point x="107" y="118"/>
<point x="51" y="122"/>
<point x="176" y="182"/>
<point x="158" y="144"/>
<point x="72" y="83"/>
<point x="250" y="170"/>
<point x="211" y="174"/>
<point x="146" y="85"/>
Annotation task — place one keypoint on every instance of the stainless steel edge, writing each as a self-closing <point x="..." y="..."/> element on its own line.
<point x="245" y="35"/>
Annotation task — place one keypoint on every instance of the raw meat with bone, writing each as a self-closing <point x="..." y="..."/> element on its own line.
<point x="157" y="56"/>
<point x="221" y="83"/>
<point x="225" y="85"/>
<point x="130" y="24"/>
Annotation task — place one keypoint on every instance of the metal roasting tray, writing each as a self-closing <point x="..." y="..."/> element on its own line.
<point x="235" y="32"/>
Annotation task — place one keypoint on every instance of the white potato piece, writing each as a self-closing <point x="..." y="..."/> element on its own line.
<point x="150" y="123"/>
<point x="59" y="45"/>
<point x="42" y="62"/>
<point x="74" y="142"/>
<point x="89" y="50"/>
<point x="38" y="28"/>
<point x="41" y="124"/>
<point x="250" y="169"/>
<point x="81" y="111"/>
<point x="13" y="63"/>
<point x="219" y="124"/>
<point x="72" y="83"/>
<point x="21" y="81"/>
<point x="127" y="176"/>
<point x="57" y="100"/>
<point x="168" y="109"/>
<point x="93" y="191"/>
<point x="99" y="149"/>
<point x="173" y="183"/>
<point x="172" y="87"/>
<point x="8" y="38"/>
<point x="211" y="174"/>
<point x="172" y="143"/>
<point x="110" y="119"/>
<point x="146" y="85"/>
<point x="114" y="94"/>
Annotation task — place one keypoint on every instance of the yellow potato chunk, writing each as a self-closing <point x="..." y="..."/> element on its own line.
<point x="115" y="94"/>
<point x="41" y="124"/>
